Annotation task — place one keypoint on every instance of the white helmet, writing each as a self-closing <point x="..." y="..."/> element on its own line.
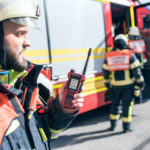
<point x="121" y="37"/>
<point x="24" y="12"/>
<point x="134" y="31"/>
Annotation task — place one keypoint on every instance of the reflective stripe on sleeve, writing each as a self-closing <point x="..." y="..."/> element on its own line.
<point x="44" y="138"/>
<point x="55" y="133"/>
<point x="141" y="79"/>
<point x="134" y="64"/>
<point x="105" y="67"/>
<point x="14" y="125"/>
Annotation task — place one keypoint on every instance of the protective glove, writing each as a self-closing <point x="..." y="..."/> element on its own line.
<point x="107" y="84"/>
<point x="109" y="95"/>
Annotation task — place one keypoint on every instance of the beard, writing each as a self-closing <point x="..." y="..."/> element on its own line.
<point x="15" y="60"/>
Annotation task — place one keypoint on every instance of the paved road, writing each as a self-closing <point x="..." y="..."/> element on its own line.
<point x="89" y="132"/>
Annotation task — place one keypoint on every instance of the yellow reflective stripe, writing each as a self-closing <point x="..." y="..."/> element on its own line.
<point x="94" y="79"/>
<point x="57" y="86"/>
<point x="46" y="60"/>
<point x="126" y="81"/>
<point x="14" y="75"/>
<point x="106" y="81"/>
<point x="44" y="138"/>
<point x="76" y="58"/>
<point x="54" y="133"/>
<point x="121" y="82"/>
<point x="127" y="75"/>
<point x="113" y="76"/>
<point x="14" y="125"/>
<point x="30" y="114"/>
<point x="55" y="52"/>
<point x="76" y="51"/>
<point x="40" y="61"/>
<point x="132" y="16"/>
<point x="137" y="91"/>
<point x="134" y="64"/>
<point x="130" y="109"/>
<point x="136" y="87"/>
<point x="5" y="78"/>
<point x="140" y="79"/>
<point x="36" y="53"/>
<point x="104" y="1"/>
<point x="36" y="56"/>
<point x="105" y="67"/>
<point x="142" y="60"/>
<point x="95" y="91"/>
<point x="114" y="117"/>
<point x="129" y="118"/>
<point x="92" y="85"/>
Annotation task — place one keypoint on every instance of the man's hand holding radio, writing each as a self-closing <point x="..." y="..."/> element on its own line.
<point x="77" y="101"/>
<point x="70" y="96"/>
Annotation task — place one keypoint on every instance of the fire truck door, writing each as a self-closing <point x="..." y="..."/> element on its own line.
<point x="120" y="18"/>
<point x="142" y="19"/>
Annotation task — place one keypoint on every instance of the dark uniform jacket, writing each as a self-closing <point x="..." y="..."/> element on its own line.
<point x="121" y="77"/>
<point x="138" y="47"/>
<point x="26" y="123"/>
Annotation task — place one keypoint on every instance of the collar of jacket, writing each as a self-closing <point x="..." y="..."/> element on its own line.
<point x="14" y="75"/>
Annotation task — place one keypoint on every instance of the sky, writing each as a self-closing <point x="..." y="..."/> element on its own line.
<point x="144" y="1"/>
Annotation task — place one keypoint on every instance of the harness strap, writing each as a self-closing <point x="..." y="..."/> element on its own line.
<point x="16" y="104"/>
<point x="30" y="98"/>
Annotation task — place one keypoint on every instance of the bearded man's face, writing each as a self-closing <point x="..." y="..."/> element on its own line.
<point x="16" y="42"/>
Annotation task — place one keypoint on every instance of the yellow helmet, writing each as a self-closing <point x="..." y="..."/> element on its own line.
<point x="25" y="12"/>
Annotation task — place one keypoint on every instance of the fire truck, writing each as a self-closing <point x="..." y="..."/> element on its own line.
<point x="68" y="28"/>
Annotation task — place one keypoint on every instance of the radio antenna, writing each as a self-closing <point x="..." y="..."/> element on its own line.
<point x="87" y="60"/>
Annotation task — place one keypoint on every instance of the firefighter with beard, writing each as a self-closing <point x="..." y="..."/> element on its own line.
<point x="121" y="71"/>
<point x="26" y="123"/>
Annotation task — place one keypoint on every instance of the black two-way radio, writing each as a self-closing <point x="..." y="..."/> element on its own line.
<point x="74" y="84"/>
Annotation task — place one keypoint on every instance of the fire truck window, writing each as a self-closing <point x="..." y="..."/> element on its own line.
<point x="143" y="17"/>
<point x="120" y="19"/>
<point x="146" y="21"/>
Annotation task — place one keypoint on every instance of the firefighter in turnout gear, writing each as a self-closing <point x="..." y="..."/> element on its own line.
<point x="26" y="122"/>
<point x="121" y="71"/>
<point x="137" y="44"/>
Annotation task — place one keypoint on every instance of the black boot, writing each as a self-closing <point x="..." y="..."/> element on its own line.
<point x="127" y="127"/>
<point x="113" y="124"/>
